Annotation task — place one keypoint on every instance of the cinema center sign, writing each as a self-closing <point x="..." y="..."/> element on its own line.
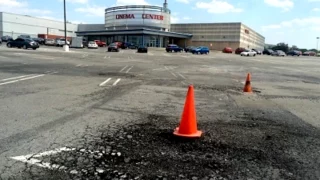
<point x="144" y="16"/>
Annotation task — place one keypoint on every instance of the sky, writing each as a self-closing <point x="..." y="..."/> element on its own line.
<point x="296" y="22"/>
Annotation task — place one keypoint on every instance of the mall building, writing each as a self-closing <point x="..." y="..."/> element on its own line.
<point x="141" y="25"/>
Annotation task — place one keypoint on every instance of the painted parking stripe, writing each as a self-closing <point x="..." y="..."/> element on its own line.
<point x="116" y="82"/>
<point x="105" y="82"/>
<point x="27" y="78"/>
<point x="181" y="75"/>
<point x="123" y="68"/>
<point x="18" y="77"/>
<point x="129" y="69"/>
<point x="173" y="74"/>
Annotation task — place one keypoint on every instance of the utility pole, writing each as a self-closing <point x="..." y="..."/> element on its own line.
<point x="317" y="44"/>
<point x="65" y="47"/>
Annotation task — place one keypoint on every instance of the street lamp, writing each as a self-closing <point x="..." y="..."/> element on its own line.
<point x="65" y="47"/>
<point x="317" y="44"/>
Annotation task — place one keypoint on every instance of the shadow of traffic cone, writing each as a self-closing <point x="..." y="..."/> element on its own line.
<point x="188" y="124"/>
<point x="247" y="87"/>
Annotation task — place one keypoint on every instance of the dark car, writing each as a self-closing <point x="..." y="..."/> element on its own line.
<point x="239" y="50"/>
<point x="294" y="53"/>
<point x="129" y="45"/>
<point x="25" y="36"/>
<point x="227" y="50"/>
<point x="23" y="43"/>
<point x="6" y="38"/>
<point x="113" y="47"/>
<point x="38" y="40"/>
<point x="189" y="48"/>
<point x="0" y="41"/>
<point x="267" y="51"/>
<point x="142" y="49"/>
<point x="173" y="48"/>
<point x="200" y="50"/>
<point x="257" y="51"/>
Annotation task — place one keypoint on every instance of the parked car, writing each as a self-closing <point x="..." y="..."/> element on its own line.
<point x="227" y="50"/>
<point x="6" y="38"/>
<point x="294" y="53"/>
<point x="257" y="51"/>
<point x="61" y="42"/>
<point x="248" y="52"/>
<point x="23" y="43"/>
<point x="113" y="47"/>
<point x="189" y="48"/>
<point x="118" y="43"/>
<point x="92" y="45"/>
<point x="173" y="48"/>
<point x="239" y="50"/>
<point x="278" y="53"/>
<point x="49" y="42"/>
<point x="131" y="46"/>
<point x="142" y="49"/>
<point x="267" y="51"/>
<point x="309" y="53"/>
<point x="38" y="40"/>
<point x="200" y="50"/>
<point x="0" y="41"/>
<point x="100" y="43"/>
<point x="25" y="36"/>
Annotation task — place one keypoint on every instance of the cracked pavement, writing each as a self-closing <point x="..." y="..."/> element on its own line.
<point x="70" y="99"/>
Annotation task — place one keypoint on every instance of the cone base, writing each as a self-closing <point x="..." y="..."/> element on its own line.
<point x="194" y="135"/>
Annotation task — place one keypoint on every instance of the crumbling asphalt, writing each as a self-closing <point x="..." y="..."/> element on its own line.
<point x="128" y="128"/>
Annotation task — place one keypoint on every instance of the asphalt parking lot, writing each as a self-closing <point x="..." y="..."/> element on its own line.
<point x="127" y="104"/>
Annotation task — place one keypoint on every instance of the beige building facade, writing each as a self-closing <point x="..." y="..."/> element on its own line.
<point x="219" y="35"/>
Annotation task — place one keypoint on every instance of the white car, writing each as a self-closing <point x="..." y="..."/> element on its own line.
<point x="61" y="42"/>
<point x="248" y="52"/>
<point x="92" y="44"/>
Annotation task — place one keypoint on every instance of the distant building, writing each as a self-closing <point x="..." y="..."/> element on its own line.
<point x="15" y="25"/>
<point x="141" y="25"/>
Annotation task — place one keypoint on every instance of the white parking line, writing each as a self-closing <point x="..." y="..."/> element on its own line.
<point x="105" y="57"/>
<point x="27" y="78"/>
<point x="79" y="65"/>
<point x="31" y="158"/>
<point x="181" y="75"/>
<point x="116" y="82"/>
<point x="129" y="69"/>
<point x="123" y="68"/>
<point x="18" y="77"/>
<point x="173" y="74"/>
<point x="105" y="82"/>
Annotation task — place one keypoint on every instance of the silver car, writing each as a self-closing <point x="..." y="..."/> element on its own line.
<point x="279" y="53"/>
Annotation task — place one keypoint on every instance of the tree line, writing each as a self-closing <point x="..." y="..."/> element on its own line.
<point x="285" y="48"/>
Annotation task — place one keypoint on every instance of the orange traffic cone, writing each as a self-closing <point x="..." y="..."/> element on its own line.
<point x="247" y="86"/>
<point x="188" y="124"/>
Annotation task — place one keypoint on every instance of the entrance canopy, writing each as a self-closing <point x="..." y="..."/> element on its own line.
<point x="136" y="31"/>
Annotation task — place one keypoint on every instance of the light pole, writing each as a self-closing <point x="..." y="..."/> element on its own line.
<point x="65" y="47"/>
<point x="317" y="44"/>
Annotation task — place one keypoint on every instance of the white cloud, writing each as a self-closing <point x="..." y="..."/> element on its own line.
<point x="184" y="1"/>
<point x="186" y="18"/>
<point x="20" y="7"/>
<point x="314" y="0"/>
<point x="310" y="23"/>
<point x="316" y="9"/>
<point x="218" y="7"/>
<point x="285" y="5"/>
<point x="174" y="19"/>
<point x="92" y="10"/>
<point x="12" y="3"/>
<point x="131" y="2"/>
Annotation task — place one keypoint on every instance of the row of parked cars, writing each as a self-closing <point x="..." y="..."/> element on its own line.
<point x="191" y="49"/>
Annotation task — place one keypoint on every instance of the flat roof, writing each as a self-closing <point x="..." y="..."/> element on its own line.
<point x="135" y="31"/>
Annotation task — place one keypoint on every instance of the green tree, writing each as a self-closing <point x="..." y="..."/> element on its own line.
<point x="294" y="47"/>
<point x="314" y="50"/>
<point x="303" y="50"/>
<point x="281" y="46"/>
